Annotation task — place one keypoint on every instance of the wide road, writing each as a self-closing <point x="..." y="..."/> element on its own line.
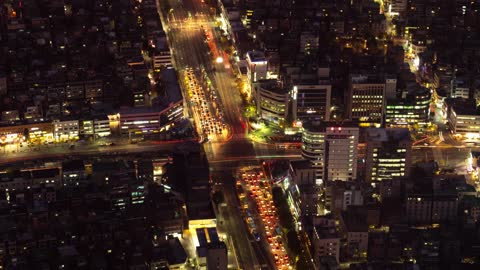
<point x="227" y="157"/>
<point x="233" y="220"/>
<point x="186" y="22"/>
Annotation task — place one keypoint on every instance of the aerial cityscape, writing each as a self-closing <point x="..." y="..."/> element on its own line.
<point x="240" y="134"/>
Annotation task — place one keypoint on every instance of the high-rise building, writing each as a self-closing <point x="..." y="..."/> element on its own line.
<point x="310" y="92"/>
<point x="412" y="108"/>
<point x="388" y="154"/>
<point x="366" y="99"/>
<point x="332" y="150"/>
<point x="311" y="100"/>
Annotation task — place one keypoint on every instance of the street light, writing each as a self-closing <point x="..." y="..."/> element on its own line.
<point x="219" y="60"/>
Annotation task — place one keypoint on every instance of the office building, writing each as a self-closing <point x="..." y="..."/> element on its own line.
<point x="66" y="130"/>
<point x="3" y="83"/>
<point x="272" y="101"/>
<point x="149" y="119"/>
<point x="99" y="127"/>
<point x="464" y="118"/>
<point x="366" y="99"/>
<point x="332" y="150"/>
<point x="388" y="154"/>
<point x="311" y="100"/>
<point x="257" y="66"/>
<point x="411" y="108"/>
<point x="460" y="88"/>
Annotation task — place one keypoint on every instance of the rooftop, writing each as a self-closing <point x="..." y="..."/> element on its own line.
<point x="256" y="56"/>
<point x="44" y="173"/>
<point x="463" y="106"/>
<point x="354" y="219"/>
<point x="207" y="236"/>
<point x="73" y="165"/>
<point x="325" y="232"/>
<point x="321" y="126"/>
<point x="273" y="86"/>
<point x="388" y="134"/>
<point x="170" y="80"/>
<point x="366" y="79"/>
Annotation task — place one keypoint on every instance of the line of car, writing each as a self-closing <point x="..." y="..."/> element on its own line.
<point x="204" y="105"/>
<point x="260" y="190"/>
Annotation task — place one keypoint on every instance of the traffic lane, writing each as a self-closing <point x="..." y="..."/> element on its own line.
<point x="244" y="147"/>
<point x="238" y="227"/>
<point x="165" y="148"/>
<point x="230" y="94"/>
<point x="257" y="196"/>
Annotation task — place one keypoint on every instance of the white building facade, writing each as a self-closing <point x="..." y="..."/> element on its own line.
<point x="332" y="149"/>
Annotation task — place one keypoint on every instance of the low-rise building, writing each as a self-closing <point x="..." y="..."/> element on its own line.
<point x="33" y="112"/>
<point x="10" y="116"/>
<point x="302" y="175"/>
<point x="429" y="208"/>
<point x="325" y="242"/>
<point x="98" y="127"/>
<point x="354" y="228"/>
<point x="33" y="133"/>
<point x="73" y="172"/>
<point x="257" y="66"/>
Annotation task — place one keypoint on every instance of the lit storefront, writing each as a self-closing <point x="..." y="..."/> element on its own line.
<point x="33" y="133"/>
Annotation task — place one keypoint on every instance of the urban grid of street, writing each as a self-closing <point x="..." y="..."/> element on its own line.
<point x="184" y="25"/>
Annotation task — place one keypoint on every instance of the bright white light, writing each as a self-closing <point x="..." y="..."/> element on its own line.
<point x="219" y="60"/>
<point x="416" y="62"/>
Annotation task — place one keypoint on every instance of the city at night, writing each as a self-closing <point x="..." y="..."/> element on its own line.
<point x="240" y="134"/>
